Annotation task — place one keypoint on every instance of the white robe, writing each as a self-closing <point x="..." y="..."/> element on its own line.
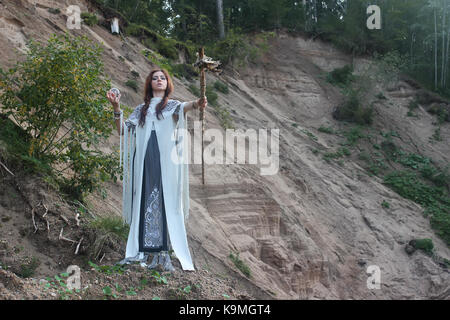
<point x="173" y="148"/>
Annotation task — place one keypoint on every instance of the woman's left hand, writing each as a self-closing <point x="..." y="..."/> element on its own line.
<point x="202" y="102"/>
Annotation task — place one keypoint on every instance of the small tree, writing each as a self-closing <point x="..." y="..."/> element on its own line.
<point x="56" y="95"/>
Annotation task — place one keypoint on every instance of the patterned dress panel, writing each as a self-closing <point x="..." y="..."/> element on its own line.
<point x="153" y="228"/>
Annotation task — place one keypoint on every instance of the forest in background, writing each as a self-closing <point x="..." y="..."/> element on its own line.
<point x="414" y="32"/>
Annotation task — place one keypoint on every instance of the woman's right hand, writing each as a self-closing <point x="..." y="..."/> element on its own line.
<point x="113" y="99"/>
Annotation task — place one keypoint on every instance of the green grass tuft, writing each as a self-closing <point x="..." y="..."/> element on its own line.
<point x="240" y="264"/>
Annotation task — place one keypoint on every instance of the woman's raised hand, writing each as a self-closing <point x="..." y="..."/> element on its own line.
<point x="113" y="99"/>
<point x="202" y="102"/>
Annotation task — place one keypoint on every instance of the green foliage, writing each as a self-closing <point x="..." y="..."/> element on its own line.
<point x="89" y="18"/>
<point x="134" y="73"/>
<point x="353" y="111"/>
<point x="435" y="200"/>
<point x="381" y="96"/>
<point x="336" y="155"/>
<point x="107" y="269"/>
<point x="426" y="245"/>
<point x="185" y="70"/>
<point x="353" y="136"/>
<point x="309" y="134"/>
<point x="341" y="76"/>
<point x="239" y="47"/>
<point x="440" y="177"/>
<point x="240" y="264"/>
<point x="107" y="291"/>
<point x="131" y="292"/>
<point x="28" y="269"/>
<point x="159" y="60"/>
<point x="211" y="96"/>
<point x="440" y="111"/>
<point x="132" y="84"/>
<point x="436" y="135"/>
<point x="221" y="87"/>
<point x="54" y="10"/>
<point x="165" y="46"/>
<point x="224" y="116"/>
<point x="157" y="276"/>
<point x="113" y="225"/>
<point x="59" y="284"/>
<point x="60" y="86"/>
<point x="328" y="130"/>
<point x="413" y="105"/>
<point x="195" y="90"/>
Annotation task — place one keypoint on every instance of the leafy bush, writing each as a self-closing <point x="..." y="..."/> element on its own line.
<point x="54" y="10"/>
<point x="56" y="95"/>
<point x="132" y="84"/>
<point x="165" y="46"/>
<point x="224" y="116"/>
<point x="423" y="244"/>
<point x="341" y="76"/>
<point x="28" y="268"/>
<point x="328" y="130"/>
<point x="436" y="200"/>
<point x="89" y="18"/>
<point x="211" y="96"/>
<point x="185" y="70"/>
<point x="352" y="111"/>
<point x="134" y="73"/>
<point x="194" y="90"/>
<point x="239" y="47"/>
<point x="159" y="60"/>
<point x="240" y="264"/>
<point x="113" y="225"/>
<point x="221" y="87"/>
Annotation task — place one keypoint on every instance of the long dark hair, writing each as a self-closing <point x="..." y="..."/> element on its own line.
<point x="148" y="95"/>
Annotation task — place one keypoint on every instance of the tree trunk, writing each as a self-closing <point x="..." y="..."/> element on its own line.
<point x="435" y="50"/>
<point x="411" y="49"/>
<point x="138" y="2"/>
<point x="446" y="58"/>
<point x="219" y="5"/>
<point x="183" y="20"/>
<point x="443" y="45"/>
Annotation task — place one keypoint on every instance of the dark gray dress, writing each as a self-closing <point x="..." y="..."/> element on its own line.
<point x="153" y="235"/>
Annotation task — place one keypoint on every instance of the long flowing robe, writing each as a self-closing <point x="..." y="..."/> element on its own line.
<point x="173" y="148"/>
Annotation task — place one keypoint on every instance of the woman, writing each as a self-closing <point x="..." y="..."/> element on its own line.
<point x="155" y="179"/>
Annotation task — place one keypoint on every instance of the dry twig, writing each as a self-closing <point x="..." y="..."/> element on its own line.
<point x="34" y="222"/>
<point x="1" y="163"/>
<point x="61" y="237"/>
<point x="78" y="246"/>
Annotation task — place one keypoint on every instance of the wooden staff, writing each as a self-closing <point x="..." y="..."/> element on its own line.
<point x="204" y="63"/>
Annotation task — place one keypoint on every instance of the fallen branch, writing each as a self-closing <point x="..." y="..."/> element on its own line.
<point x="34" y="221"/>
<point x="78" y="246"/>
<point x="1" y="163"/>
<point x="77" y="218"/>
<point x="64" y="218"/>
<point x="46" y="210"/>
<point x="61" y="237"/>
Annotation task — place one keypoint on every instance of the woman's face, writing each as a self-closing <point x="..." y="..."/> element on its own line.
<point x="159" y="82"/>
